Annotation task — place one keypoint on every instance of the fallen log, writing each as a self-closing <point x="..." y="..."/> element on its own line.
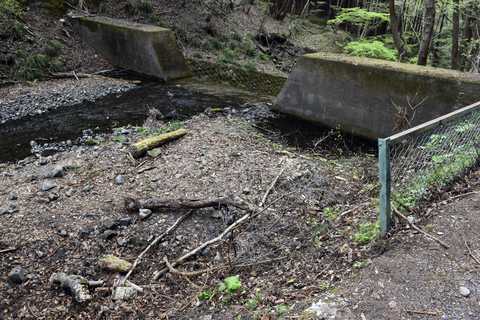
<point x="157" y="204"/>
<point x="140" y="148"/>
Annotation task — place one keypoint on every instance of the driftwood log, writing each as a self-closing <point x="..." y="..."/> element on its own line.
<point x="140" y="148"/>
<point x="157" y="204"/>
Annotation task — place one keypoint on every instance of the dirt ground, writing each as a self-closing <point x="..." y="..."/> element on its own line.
<point x="417" y="278"/>
<point x="237" y="152"/>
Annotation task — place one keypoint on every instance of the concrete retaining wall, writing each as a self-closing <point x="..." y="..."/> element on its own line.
<point x="363" y="96"/>
<point x="145" y="49"/>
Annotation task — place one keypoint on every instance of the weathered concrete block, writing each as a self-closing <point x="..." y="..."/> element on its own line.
<point x="372" y="98"/>
<point x="145" y="49"/>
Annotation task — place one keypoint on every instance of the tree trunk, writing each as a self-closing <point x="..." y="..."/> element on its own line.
<point x="427" y="32"/>
<point x="455" y="34"/>
<point x="396" y="33"/>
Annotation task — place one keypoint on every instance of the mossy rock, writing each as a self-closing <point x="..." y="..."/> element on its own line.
<point x="114" y="264"/>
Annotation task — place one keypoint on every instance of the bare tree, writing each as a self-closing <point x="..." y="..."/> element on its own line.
<point x="396" y="31"/>
<point x="455" y="59"/>
<point x="427" y="31"/>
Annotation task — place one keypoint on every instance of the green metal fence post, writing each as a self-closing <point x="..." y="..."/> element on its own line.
<point x="384" y="175"/>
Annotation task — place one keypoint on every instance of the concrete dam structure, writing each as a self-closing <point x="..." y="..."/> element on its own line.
<point x="372" y="98"/>
<point x="146" y="49"/>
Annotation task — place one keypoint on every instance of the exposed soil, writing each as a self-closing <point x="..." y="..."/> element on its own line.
<point x="417" y="278"/>
<point x="82" y="218"/>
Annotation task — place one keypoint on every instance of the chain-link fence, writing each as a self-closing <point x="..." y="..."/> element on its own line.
<point x="250" y="80"/>
<point x="419" y="161"/>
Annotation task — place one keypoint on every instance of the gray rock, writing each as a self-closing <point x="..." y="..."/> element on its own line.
<point x="17" y="275"/>
<point x="108" y="234"/>
<point x="12" y="196"/>
<point x="53" y="172"/>
<point x="464" y="291"/>
<point x="119" y="179"/>
<point x="144" y="213"/>
<point x="75" y="285"/>
<point x="42" y="161"/>
<point x="63" y="233"/>
<point x="322" y="310"/>
<point x="53" y="197"/>
<point x="47" y="185"/>
<point x="123" y="293"/>
<point x="124" y="221"/>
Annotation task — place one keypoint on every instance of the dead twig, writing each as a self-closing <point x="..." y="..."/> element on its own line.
<point x="344" y="213"/>
<point x="470" y="252"/>
<point x="272" y="185"/>
<point x="8" y="250"/>
<point x="428" y="313"/>
<point x="462" y="195"/>
<point x="154" y="242"/>
<point x="252" y="212"/>
<point x="428" y="235"/>
<point x="68" y="75"/>
<point x="171" y="269"/>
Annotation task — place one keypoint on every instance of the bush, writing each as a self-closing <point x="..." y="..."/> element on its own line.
<point x="370" y="49"/>
<point x="360" y="21"/>
<point x="11" y="7"/>
<point x="137" y="7"/>
<point x="359" y="17"/>
<point x="53" y="48"/>
<point x="36" y="66"/>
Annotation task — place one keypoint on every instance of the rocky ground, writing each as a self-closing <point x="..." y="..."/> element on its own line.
<point x="20" y="100"/>
<point x="62" y="213"/>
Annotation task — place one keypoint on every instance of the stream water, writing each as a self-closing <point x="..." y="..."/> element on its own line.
<point x="175" y="101"/>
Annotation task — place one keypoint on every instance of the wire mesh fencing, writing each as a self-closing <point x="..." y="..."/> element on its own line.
<point x="250" y="80"/>
<point x="422" y="160"/>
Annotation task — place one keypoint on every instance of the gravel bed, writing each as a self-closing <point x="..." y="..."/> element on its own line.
<point x="22" y="100"/>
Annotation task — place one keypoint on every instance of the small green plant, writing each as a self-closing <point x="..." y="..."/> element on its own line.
<point x="250" y="66"/>
<point x="53" y="48"/>
<point x="253" y="303"/>
<point x="92" y="142"/>
<point x="281" y="310"/>
<point x="206" y="295"/>
<point x="229" y="56"/>
<point x="367" y="232"/>
<point x="331" y="213"/>
<point x="230" y="284"/>
<point x="370" y="49"/>
<point x="360" y="264"/>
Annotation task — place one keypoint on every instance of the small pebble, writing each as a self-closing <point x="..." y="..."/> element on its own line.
<point x="119" y="179"/>
<point x="144" y="213"/>
<point x="12" y="196"/>
<point x="17" y="275"/>
<point x="464" y="291"/>
<point x="47" y="185"/>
